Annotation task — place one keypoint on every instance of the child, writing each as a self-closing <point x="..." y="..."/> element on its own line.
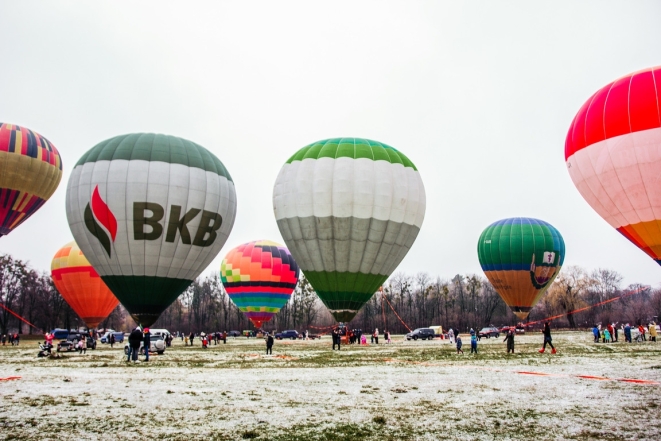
<point x="459" y="345"/>
<point x="607" y="336"/>
<point x="363" y="339"/>
<point x="473" y="343"/>
<point x="204" y="342"/>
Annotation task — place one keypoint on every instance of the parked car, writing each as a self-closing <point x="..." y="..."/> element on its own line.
<point x="422" y="334"/>
<point x="72" y="341"/>
<point x="310" y="336"/>
<point x="119" y="337"/>
<point x="234" y="334"/>
<point x="291" y="334"/>
<point x="60" y="334"/>
<point x="157" y="345"/>
<point x="489" y="332"/>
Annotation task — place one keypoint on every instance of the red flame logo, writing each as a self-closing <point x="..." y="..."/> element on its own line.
<point x="103" y="213"/>
<point x="100" y="212"/>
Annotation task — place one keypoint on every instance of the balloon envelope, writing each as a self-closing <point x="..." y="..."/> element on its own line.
<point x="349" y="210"/>
<point x="81" y="286"/>
<point x="521" y="257"/>
<point x="259" y="277"/>
<point x="613" y="155"/>
<point x="150" y="212"/>
<point x="30" y="171"/>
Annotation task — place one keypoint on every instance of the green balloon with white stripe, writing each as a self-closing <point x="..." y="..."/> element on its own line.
<point x="150" y="212"/>
<point x="349" y="210"/>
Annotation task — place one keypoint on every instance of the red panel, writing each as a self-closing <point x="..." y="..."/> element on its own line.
<point x="576" y="135"/>
<point x="616" y="116"/>
<point x="594" y="123"/>
<point x="643" y="110"/>
<point x="630" y="105"/>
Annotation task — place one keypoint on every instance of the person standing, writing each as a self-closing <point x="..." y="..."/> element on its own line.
<point x="653" y="332"/>
<point x="4" y="339"/>
<point x="146" y="341"/>
<point x="509" y="338"/>
<point x="607" y="336"/>
<point x="49" y="339"/>
<point x="547" y="339"/>
<point x="451" y="336"/>
<point x="473" y="343"/>
<point x="615" y="332"/>
<point x="224" y="337"/>
<point x="269" y="344"/>
<point x="191" y="337"/>
<point x="376" y="336"/>
<point x="627" y="333"/>
<point x="112" y="340"/>
<point x="595" y="333"/>
<point x="459" y="346"/>
<point x="83" y="347"/>
<point x="336" y="339"/>
<point x="135" y="337"/>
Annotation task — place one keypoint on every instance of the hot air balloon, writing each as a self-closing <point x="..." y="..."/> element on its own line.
<point x="613" y="155"/>
<point x="81" y="286"/>
<point x="521" y="257"/>
<point x="150" y="212"/>
<point x="259" y="278"/>
<point x="30" y="171"/>
<point x="349" y="210"/>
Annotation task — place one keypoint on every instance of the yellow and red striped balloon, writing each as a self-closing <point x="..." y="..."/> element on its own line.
<point x="81" y="286"/>
<point x="30" y="171"/>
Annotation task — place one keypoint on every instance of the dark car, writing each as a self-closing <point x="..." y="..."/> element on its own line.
<point x="287" y="334"/>
<point x="422" y="334"/>
<point x="72" y="341"/>
<point x="60" y="334"/>
<point x="489" y="332"/>
<point x="234" y="334"/>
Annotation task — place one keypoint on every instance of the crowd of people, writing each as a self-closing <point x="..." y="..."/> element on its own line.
<point x="14" y="339"/>
<point x="610" y="332"/>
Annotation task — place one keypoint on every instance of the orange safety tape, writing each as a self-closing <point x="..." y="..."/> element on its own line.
<point x="393" y="310"/>
<point x="585" y="308"/>
<point x="18" y="316"/>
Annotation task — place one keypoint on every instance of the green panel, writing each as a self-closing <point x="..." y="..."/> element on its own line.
<point x="514" y="241"/>
<point x="154" y="147"/>
<point x="351" y="148"/>
<point x="344" y="290"/>
<point x="145" y="297"/>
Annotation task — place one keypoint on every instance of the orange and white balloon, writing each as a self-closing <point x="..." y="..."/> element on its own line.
<point x="613" y="154"/>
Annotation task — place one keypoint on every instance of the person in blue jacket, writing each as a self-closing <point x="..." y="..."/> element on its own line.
<point x="595" y="332"/>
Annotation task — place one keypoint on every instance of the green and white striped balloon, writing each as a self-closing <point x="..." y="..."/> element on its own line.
<point x="349" y="210"/>
<point x="150" y="212"/>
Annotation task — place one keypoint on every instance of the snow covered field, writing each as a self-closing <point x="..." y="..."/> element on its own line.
<point x="305" y="391"/>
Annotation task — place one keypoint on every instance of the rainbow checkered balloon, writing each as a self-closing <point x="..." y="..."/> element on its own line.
<point x="259" y="277"/>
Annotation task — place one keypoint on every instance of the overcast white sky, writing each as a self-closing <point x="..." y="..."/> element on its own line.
<point x="479" y="95"/>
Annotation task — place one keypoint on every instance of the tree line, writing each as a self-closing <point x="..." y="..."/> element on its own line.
<point x="404" y="302"/>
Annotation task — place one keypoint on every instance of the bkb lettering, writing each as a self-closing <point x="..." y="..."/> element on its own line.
<point x="150" y="214"/>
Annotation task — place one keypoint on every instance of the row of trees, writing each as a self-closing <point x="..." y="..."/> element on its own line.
<point x="406" y="301"/>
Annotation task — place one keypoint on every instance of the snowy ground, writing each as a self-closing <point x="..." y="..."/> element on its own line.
<point x="407" y="390"/>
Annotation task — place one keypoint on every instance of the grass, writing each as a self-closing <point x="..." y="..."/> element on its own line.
<point x="405" y="391"/>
